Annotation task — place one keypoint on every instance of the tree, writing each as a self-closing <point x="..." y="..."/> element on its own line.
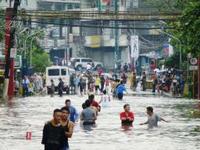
<point x="2" y="25"/>
<point x="166" y="5"/>
<point x="40" y="60"/>
<point x="189" y="27"/>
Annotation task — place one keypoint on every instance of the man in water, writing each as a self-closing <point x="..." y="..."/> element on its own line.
<point x="53" y="133"/>
<point x="127" y="117"/>
<point x="153" y="118"/>
<point x="88" y="115"/>
<point x="67" y="125"/>
<point x="73" y="112"/>
<point x="94" y="103"/>
<point x="120" y="89"/>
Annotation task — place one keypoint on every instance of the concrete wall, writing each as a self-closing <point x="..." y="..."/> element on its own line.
<point x="106" y="55"/>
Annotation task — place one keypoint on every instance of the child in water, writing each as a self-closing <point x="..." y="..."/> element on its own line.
<point x="105" y="99"/>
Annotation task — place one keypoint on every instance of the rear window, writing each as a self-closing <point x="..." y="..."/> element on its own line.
<point x="53" y="72"/>
<point x="86" y="60"/>
<point x="76" y="60"/>
<point x="63" y="72"/>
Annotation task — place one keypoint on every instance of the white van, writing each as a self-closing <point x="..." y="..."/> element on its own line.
<point x="56" y="72"/>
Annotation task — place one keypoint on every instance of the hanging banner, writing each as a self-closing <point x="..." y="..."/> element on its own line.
<point x="135" y="3"/>
<point x="105" y="4"/>
<point x="135" y="47"/>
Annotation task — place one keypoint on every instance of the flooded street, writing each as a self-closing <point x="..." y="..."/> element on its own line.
<point x="29" y="115"/>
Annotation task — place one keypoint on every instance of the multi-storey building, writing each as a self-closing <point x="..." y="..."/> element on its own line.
<point x="25" y="4"/>
<point x="100" y="42"/>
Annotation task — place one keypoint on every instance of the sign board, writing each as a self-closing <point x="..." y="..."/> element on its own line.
<point x="13" y="52"/>
<point x="135" y="47"/>
<point x="17" y="60"/>
<point x="193" y="61"/>
<point x="192" y="68"/>
<point x="135" y="3"/>
<point x="104" y="4"/>
<point x="1" y="72"/>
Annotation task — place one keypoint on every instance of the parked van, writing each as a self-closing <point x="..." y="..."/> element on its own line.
<point x="80" y="63"/>
<point x="56" y="72"/>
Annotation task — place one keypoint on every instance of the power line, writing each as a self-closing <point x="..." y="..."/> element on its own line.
<point x="91" y="26"/>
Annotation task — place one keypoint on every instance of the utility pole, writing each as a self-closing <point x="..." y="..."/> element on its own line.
<point x="11" y="14"/>
<point x="199" y="77"/>
<point x="99" y="5"/>
<point x="117" y="50"/>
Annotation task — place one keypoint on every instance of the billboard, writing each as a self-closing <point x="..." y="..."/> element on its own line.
<point x="135" y="47"/>
<point x="167" y="50"/>
<point x="105" y="4"/>
<point x="93" y="41"/>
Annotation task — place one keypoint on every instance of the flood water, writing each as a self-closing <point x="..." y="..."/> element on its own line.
<point x="30" y="114"/>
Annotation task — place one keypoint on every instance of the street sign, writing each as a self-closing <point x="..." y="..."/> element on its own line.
<point x="135" y="47"/>
<point x="192" y="68"/>
<point x="13" y="53"/>
<point x="193" y="61"/>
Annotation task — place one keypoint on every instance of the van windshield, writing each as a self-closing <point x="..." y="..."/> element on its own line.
<point x="53" y="72"/>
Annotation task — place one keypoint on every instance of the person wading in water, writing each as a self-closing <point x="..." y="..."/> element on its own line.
<point x="67" y="125"/>
<point x="53" y="133"/>
<point x="127" y="117"/>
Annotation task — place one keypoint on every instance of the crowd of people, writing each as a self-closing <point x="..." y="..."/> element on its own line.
<point x="84" y="83"/>
<point x="56" y="132"/>
<point x="30" y="85"/>
<point x="168" y="81"/>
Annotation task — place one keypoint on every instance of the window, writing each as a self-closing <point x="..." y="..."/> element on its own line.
<point x="76" y="5"/>
<point x="53" y="72"/>
<point x="70" y="6"/>
<point x="63" y="72"/>
<point x="75" y="60"/>
<point x="59" y="6"/>
<point x="86" y="60"/>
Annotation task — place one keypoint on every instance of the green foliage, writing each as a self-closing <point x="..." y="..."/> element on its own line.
<point x="2" y="25"/>
<point x="173" y="61"/>
<point x="40" y="60"/>
<point x="189" y="27"/>
<point x="166" y="5"/>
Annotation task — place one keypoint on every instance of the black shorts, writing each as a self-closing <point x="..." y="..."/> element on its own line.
<point x="120" y="96"/>
<point x="88" y="123"/>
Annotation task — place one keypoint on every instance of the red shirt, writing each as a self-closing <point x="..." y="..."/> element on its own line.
<point x="95" y="104"/>
<point x="127" y="116"/>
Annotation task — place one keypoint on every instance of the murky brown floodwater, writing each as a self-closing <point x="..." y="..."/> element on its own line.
<point x="30" y="114"/>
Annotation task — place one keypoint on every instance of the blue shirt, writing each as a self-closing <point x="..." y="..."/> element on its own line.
<point x="120" y="89"/>
<point x="73" y="114"/>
